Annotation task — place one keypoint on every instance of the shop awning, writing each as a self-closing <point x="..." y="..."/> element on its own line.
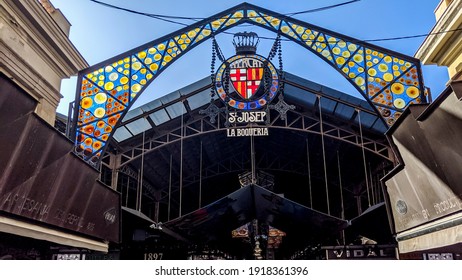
<point x="17" y="227"/>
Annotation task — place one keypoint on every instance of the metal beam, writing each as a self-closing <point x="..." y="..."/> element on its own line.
<point x="200" y="126"/>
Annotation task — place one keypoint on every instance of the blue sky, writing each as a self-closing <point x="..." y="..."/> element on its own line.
<point x="100" y="33"/>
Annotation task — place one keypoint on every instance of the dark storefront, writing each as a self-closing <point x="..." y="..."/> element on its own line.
<point x="46" y="192"/>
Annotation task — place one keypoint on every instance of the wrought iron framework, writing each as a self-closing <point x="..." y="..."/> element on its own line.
<point x="296" y="121"/>
<point x="390" y="81"/>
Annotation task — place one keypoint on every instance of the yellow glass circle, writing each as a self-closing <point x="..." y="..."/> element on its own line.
<point x="136" y="66"/>
<point x="86" y="102"/>
<point x="148" y="60"/>
<point x="275" y="22"/>
<point x="340" y="60"/>
<point x="157" y="57"/>
<point x="238" y="15"/>
<point x="136" y="88"/>
<point x="154" y="67"/>
<point x="216" y="24"/>
<point x="100" y="98"/>
<point x="383" y="67"/>
<point x="332" y="40"/>
<point x="99" y="112"/>
<point x="387" y="77"/>
<point x="113" y="76"/>
<point x="123" y="80"/>
<point x="358" y="58"/>
<point x="109" y="86"/>
<point x="352" y="47"/>
<point x="399" y="103"/>
<point x="191" y="33"/>
<point x="397" y="88"/>
<point x="413" y="92"/>
<point x="346" y="54"/>
<point x="360" y="81"/>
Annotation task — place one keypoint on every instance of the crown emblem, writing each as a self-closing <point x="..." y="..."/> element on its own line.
<point x="246" y="43"/>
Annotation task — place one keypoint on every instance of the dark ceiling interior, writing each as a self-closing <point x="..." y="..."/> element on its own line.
<point x="204" y="166"/>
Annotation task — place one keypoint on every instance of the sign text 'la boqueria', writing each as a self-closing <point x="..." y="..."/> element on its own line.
<point x="250" y="131"/>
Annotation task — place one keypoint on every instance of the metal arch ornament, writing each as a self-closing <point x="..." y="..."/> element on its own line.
<point x="388" y="80"/>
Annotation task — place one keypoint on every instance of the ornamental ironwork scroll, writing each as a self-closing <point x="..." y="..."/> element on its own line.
<point x="388" y="80"/>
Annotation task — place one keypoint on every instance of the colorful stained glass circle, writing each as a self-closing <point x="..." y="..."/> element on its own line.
<point x="399" y="103"/>
<point x="412" y="92"/>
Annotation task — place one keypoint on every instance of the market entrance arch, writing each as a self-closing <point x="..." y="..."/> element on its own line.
<point x="389" y="81"/>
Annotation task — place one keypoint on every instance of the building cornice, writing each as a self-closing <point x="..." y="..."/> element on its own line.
<point x="436" y="49"/>
<point x="48" y="33"/>
<point x="36" y="53"/>
<point x="47" y="6"/>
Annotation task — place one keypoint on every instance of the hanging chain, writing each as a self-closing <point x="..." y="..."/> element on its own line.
<point x="274" y="48"/>
<point x="212" y="70"/>
<point x="221" y="57"/>
<point x="225" y="81"/>
<point x="281" y="72"/>
<point x="266" y="80"/>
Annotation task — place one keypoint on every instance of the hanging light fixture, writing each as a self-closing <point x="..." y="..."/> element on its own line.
<point x="257" y="250"/>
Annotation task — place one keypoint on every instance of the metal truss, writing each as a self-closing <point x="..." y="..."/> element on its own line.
<point x="148" y="190"/>
<point x="296" y="121"/>
<point x="271" y="161"/>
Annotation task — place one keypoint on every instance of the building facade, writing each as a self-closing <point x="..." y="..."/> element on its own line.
<point x="444" y="46"/>
<point x="424" y="191"/>
<point x="51" y="202"/>
<point x="174" y="173"/>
